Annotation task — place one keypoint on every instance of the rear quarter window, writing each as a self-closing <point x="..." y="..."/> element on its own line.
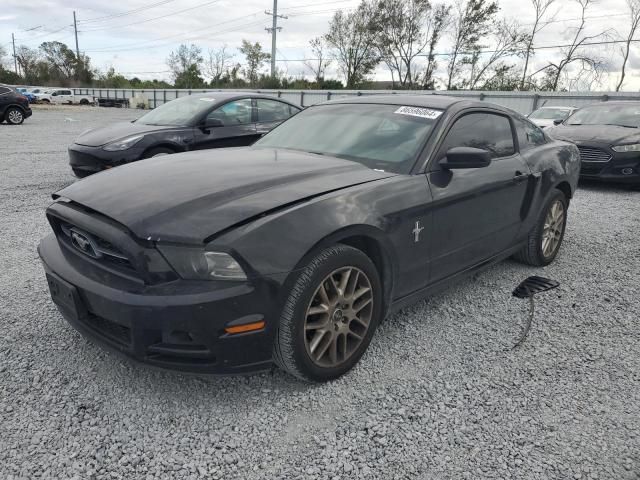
<point x="4" y="90"/>
<point x="529" y="134"/>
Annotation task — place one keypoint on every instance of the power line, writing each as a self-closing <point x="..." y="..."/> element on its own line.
<point x="154" y="18"/>
<point x="128" y="12"/>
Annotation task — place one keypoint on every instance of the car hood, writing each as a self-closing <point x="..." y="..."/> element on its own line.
<point x="191" y="196"/>
<point x="607" y="134"/>
<point x="542" y="122"/>
<point x="103" y="135"/>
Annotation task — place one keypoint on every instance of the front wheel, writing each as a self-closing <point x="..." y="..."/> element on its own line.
<point x="543" y="242"/>
<point x="158" y="152"/>
<point x="330" y="316"/>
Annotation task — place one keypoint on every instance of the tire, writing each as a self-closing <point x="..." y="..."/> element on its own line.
<point x="14" y="116"/>
<point x="157" y="152"/>
<point x="84" y="101"/>
<point x="349" y="324"/>
<point x="45" y="100"/>
<point x="536" y="252"/>
<point x="81" y="173"/>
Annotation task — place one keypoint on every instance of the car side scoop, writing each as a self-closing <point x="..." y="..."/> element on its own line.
<point x="528" y="289"/>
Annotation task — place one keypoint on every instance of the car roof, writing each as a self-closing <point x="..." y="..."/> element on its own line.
<point x="428" y="100"/>
<point x="232" y="95"/>
<point x="558" y="107"/>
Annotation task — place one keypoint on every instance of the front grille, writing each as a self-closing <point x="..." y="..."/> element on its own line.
<point x="99" y="248"/>
<point x="590" y="154"/>
<point x="114" y="331"/>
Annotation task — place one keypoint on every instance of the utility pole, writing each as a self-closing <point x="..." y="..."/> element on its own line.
<point x="15" y="59"/>
<point x="273" y="30"/>
<point x="75" y="29"/>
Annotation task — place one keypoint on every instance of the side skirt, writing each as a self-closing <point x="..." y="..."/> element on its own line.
<point x="443" y="284"/>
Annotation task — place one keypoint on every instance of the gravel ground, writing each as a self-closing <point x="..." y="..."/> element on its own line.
<point x="439" y="395"/>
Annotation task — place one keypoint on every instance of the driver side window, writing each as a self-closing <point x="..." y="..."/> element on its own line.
<point x="488" y="131"/>
<point x="238" y="112"/>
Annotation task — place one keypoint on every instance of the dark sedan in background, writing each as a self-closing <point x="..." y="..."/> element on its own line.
<point x="294" y="249"/>
<point x="608" y="137"/>
<point x="209" y="120"/>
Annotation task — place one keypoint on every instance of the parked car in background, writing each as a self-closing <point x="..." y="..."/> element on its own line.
<point x="65" y="96"/>
<point x="545" y="116"/>
<point x="30" y="96"/>
<point x="14" y="107"/>
<point x="195" y="122"/>
<point x="608" y="137"/>
<point x="293" y="250"/>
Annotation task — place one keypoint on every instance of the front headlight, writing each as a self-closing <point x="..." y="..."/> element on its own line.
<point x="123" y="143"/>
<point x="635" y="147"/>
<point x="198" y="264"/>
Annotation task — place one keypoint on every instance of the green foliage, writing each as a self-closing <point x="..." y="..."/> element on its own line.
<point x="255" y="59"/>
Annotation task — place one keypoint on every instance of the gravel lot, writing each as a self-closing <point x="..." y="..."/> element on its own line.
<point x="439" y="395"/>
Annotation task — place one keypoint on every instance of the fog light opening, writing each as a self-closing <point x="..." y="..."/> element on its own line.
<point x="627" y="171"/>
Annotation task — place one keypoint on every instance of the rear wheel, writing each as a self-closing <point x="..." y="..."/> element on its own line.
<point x="544" y="241"/>
<point x="330" y="316"/>
<point x="81" y="173"/>
<point x="84" y="101"/>
<point x="157" y="152"/>
<point x="14" y="116"/>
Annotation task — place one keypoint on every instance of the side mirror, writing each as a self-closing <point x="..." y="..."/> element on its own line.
<point x="54" y="94"/>
<point x="558" y="121"/>
<point x="465" y="157"/>
<point x="212" y="123"/>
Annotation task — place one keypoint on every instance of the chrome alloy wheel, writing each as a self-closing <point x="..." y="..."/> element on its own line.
<point x="553" y="229"/>
<point x="338" y="316"/>
<point x="15" y="116"/>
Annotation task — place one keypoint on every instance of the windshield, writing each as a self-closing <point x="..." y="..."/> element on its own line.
<point x="607" y="114"/>
<point x="550" y="114"/>
<point x="384" y="137"/>
<point x="179" y="112"/>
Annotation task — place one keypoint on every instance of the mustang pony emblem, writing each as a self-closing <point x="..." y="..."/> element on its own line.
<point x="417" y="229"/>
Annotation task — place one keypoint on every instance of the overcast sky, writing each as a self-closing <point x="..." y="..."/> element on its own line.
<point x="130" y="36"/>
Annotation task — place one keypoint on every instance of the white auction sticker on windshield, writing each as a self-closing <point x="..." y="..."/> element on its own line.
<point x="419" y="112"/>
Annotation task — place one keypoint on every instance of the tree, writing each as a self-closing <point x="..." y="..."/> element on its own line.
<point x="437" y="23"/>
<point x="541" y="8"/>
<point x="574" y="54"/>
<point x="255" y="58"/>
<point x="28" y="59"/>
<point x="320" y="62"/>
<point x="402" y="36"/>
<point x="184" y="64"/>
<point x="634" y="17"/>
<point x="218" y="64"/>
<point x="354" y="37"/>
<point x="509" y="41"/>
<point x="61" y="59"/>
<point x="472" y="22"/>
<point x="190" y="78"/>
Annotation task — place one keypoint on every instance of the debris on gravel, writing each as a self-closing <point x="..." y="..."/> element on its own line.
<point x="439" y="395"/>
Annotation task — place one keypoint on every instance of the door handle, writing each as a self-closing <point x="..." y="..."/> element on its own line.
<point x="520" y="177"/>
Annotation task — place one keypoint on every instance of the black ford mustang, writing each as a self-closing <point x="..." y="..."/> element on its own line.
<point x="293" y="250"/>
<point x="608" y="137"/>
<point x="196" y="122"/>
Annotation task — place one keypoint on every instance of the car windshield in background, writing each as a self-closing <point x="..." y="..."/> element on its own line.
<point x="550" y="114"/>
<point x="178" y="112"/>
<point x="384" y="137"/>
<point x="612" y="114"/>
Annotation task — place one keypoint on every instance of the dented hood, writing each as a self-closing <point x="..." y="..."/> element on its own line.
<point x="189" y="197"/>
